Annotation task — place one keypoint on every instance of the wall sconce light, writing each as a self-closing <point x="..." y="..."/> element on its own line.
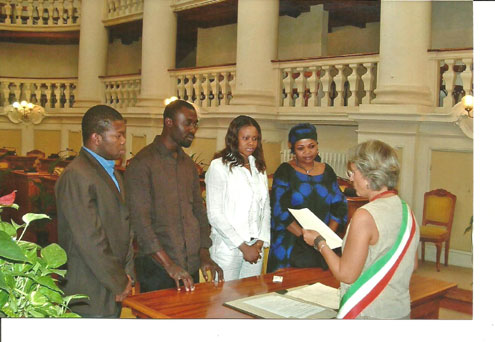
<point x="468" y="103"/>
<point x="26" y="112"/>
<point x="24" y="108"/>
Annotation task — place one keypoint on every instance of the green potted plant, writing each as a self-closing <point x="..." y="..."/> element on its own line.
<point x="28" y="273"/>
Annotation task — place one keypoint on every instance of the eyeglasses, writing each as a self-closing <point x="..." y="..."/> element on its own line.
<point x="350" y="173"/>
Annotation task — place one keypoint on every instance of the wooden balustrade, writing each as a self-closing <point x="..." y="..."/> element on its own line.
<point x="327" y="82"/>
<point x="205" y="86"/>
<point x="455" y="75"/>
<point x="45" y="92"/>
<point x="123" y="90"/>
<point x="40" y="13"/>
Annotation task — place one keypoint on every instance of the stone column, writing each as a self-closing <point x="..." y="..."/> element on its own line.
<point x="93" y="45"/>
<point x="257" y="35"/>
<point x="405" y="36"/>
<point x="158" y="53"/>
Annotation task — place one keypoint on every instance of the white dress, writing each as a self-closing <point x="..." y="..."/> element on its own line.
<point x="238" y="208"/>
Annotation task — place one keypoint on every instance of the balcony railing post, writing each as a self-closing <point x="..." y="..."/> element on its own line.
<point x="189" y="86"/>
<point x="181" y="89"/>
<point x="300" y="83"/>
<point x="449" y="80"/>
<point x="368" y="78"/>
<point x="223" y="88"/>
<point x="353" y="80"/>
<point x="288" y="85"/>
<point x="313" y="82"/>
<point x="339" y="85"/>
<point x="18" y="13"/>
<point x="467" y="76"/>
<point x="29" y="10"/>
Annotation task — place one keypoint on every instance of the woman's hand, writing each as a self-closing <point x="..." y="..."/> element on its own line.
<point x="250" y="253"/>
<point x="310" y="236"/>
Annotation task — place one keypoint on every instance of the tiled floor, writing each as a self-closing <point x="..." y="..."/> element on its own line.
<point x="463" y="277"/>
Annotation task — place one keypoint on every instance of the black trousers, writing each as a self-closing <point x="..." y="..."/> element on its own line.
<point x="152" y="276"/>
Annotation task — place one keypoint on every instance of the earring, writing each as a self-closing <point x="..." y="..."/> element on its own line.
<point x="367" y="185"/>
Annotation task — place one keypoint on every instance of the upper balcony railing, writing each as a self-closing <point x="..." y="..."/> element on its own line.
<point x="120" y="11"/>
<point x="343" y="81"/>
<point x="206" y="86"/>
<point x="454" y="77"/>
<point x="122" y="91"/>
<point x="41" y="15"/>
<point x="45" y="92"/>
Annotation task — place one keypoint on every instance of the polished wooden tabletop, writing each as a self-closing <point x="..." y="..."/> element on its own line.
<point x="206" y="301"/>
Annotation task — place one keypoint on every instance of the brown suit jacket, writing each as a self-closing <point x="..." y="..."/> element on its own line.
<point x="93" y="228"/>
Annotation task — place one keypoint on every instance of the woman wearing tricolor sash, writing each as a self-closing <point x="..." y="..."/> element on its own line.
<point x="379" y="248"/>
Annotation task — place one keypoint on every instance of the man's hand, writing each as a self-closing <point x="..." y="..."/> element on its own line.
<point x="178" y="273"/>
<point x="127" y="291"/>
<point x="250" y="253"/>
<point x="174" y="271"/>
<point x="209" y="265"/>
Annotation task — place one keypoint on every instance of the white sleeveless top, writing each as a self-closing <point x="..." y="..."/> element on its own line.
<point x="394" y="301"/>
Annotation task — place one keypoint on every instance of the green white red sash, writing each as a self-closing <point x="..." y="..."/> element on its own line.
<point x="372" y="282"/>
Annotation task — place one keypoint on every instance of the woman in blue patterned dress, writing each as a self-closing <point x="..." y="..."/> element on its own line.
<point x="302" y="182"/>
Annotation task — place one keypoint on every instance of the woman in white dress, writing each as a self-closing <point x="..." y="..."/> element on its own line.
<point x="237" y="201"/>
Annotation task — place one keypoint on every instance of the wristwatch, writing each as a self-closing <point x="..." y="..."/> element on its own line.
<point x="318" y="239"/>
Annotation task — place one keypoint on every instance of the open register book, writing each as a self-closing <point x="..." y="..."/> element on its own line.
<point x="308" y="220"/>
<point x="306" y="302"/>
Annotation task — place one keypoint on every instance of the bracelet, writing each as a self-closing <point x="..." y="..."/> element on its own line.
<point x="318" y="239"/>
<point x="323" y="245"/>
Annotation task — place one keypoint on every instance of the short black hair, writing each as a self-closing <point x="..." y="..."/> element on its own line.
<point x="98" y="120"/>
<point x="173" y="107"/>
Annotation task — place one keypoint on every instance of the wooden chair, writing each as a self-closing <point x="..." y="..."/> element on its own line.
<point x="37" y="153"/>
<point x="438" y="214"/>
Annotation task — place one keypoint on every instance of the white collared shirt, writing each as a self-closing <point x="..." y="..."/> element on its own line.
<point x="237" y="203"/>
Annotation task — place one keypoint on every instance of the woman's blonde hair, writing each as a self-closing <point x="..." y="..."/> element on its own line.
<point x="377" y="162"/>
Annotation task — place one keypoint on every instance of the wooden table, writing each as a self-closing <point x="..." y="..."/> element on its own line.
<point x="206" y="301"/>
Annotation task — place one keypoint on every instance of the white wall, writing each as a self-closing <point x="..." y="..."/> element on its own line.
<point x="452" y="24"/>
<point x="37" y="60"/>
<point x="216" y="45"/>
<point x="304" y="36"/>
<point x="124" y="59"/>
<point x="350" y="39"/>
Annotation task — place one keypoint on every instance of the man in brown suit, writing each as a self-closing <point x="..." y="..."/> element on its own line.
<point x="93" y="220"/>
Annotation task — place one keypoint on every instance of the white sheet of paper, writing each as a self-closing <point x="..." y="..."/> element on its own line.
<point x="308" y="220"/>
<point x="318" y="293"/>
<point x="285" y="307"/>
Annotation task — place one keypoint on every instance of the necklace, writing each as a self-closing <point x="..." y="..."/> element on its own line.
<point x="307" y="171"/>
<point x="381" y="194"/>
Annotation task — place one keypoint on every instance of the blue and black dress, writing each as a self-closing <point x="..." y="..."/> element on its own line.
<point x="292" y="189"/>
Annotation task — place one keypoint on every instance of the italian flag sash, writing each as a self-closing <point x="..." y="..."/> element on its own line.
<point x="372" y="282"/>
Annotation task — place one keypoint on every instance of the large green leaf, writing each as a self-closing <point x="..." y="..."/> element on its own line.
<point x="54" y="255"/>
<point x="36" y="312"/>
<point x="8" y="228"/>
<point x="37" y="298"/>
<point x="53" y="296"/>
<point x="3" y="283"/>
<point x="70" y="315"/>
<point x="29" y="217"/>
<point x="4" y="297"/>
<point x="9" y="248"/>
<point x="48" y="282"/>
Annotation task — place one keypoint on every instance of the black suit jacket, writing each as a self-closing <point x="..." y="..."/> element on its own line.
<point x="93" y="228"/>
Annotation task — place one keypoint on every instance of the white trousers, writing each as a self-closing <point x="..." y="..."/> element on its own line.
<point x="232" y="262"/>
